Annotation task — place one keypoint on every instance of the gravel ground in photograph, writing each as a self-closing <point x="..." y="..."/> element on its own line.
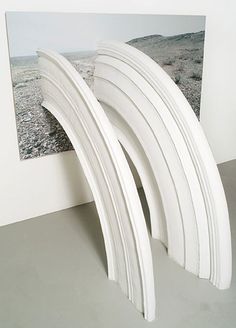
<point x="39" y="133"/>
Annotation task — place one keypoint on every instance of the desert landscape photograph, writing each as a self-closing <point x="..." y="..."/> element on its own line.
<point x="176" y="43"/>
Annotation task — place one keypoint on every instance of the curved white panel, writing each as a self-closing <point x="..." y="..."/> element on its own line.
<point x="127" y="246"/>
<point x="140" y="97"/>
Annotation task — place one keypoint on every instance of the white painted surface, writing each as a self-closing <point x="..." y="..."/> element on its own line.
<point x="145" y="98"/>
<point x="34" y="187"/>
<point x="67" y="96"/>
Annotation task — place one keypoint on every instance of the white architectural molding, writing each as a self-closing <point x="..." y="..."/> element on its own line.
<point x="127" y="245"/>
<point x="159" y="130"/>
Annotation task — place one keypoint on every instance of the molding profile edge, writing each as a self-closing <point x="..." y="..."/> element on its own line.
<point x="140" y="97"/>
<point x="126" y="239"/>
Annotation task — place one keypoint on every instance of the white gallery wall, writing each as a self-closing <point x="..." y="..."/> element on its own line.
<point x="33" y="187"/>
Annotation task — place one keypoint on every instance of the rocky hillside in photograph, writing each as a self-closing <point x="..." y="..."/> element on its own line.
<point x="181" y="56"/>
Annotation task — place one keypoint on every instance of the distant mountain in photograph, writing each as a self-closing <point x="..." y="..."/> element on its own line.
<point x="181" y="56"/>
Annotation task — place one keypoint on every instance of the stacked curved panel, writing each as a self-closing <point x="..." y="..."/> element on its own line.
<point x="127" y="246"/>
<point x="157" y="127"/>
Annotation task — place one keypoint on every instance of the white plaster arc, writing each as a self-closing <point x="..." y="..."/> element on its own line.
<point x="198" y="149"/>
<point x="123" y="96"/>
<point x="127" y="245"/>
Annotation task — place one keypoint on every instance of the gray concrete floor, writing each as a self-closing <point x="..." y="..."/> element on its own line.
<point x="53" y="274"/>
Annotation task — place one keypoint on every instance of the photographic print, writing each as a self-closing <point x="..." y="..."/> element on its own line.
<point x="175" y="42"/>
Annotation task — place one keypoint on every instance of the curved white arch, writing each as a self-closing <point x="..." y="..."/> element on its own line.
<point x="131" y="84"/>
<point x="127" y="245"/>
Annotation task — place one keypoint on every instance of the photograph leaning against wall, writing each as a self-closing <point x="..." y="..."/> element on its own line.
<point x="175" y="42"/>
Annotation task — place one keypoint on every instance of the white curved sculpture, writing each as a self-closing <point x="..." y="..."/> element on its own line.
<point x="127" y="246"/>
<point x="159" y="130"/>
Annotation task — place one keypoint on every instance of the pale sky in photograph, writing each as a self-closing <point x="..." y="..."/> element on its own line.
<point x="69" y="32"/>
